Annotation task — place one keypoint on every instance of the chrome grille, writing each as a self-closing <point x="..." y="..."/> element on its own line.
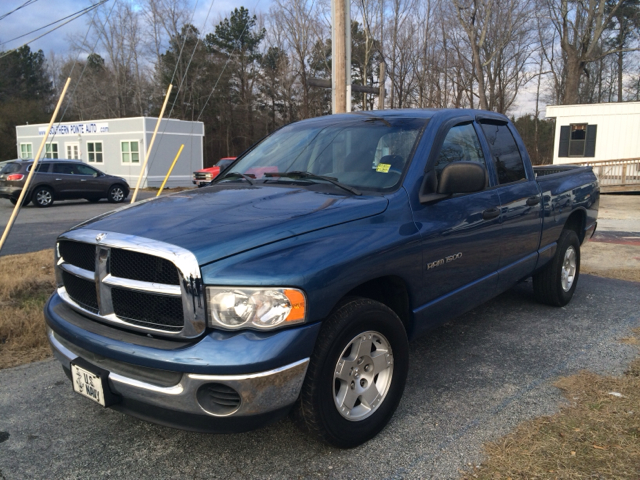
<point x="134" y="282"/>
<point x="159" y="311"/>
<point x="204" y="176"/>
<point x="82" y="255"/>
<point x="139" y="266"/>
<point x="82" y="291"/>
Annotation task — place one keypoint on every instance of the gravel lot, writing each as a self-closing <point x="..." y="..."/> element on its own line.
<point x="470" y="381"/>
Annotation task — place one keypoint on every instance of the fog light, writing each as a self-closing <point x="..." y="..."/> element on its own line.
<point x="218" y="399"/>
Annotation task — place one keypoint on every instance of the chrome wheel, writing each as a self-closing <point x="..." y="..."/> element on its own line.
<point x="362" y="376"/>
<point x="568" y="272"/>
<point x="117" y="194"/>
<point x="44" y="197"/>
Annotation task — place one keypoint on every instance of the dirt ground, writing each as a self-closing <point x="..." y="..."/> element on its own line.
<point x="613" y="253"/>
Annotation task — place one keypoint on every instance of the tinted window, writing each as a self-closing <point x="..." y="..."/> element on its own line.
<point x="460" y="145"/>
<point x="84" y="170"/>
<point x="41" y="168"/>
<point x="506" y="154"/>
<point x="64" y="168"/>
<point x="224" y="164"/>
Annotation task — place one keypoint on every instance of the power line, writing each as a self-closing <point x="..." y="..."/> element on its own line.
<point x="84" y="10"/>
<point x="94" y="6"/>
<point x="25" y="4"/>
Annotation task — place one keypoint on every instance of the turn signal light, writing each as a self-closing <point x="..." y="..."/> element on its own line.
<point x="15" y="177"/>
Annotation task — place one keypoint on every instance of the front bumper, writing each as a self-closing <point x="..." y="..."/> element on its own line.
<point x="171" y="396"/>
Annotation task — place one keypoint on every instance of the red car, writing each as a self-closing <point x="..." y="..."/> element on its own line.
<point x="204" y="176"/>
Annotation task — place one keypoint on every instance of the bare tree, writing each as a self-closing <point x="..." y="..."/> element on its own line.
<point x="581" y="27"/>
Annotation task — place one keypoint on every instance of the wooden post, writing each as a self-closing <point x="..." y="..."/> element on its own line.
<point x="624" y="174"/>
<point x="381" y="79"/>
<point x="36" y="159"/>
<point x="170" y="170"/>
<point x="339" y="57"/>
<point x="146" y="157"/>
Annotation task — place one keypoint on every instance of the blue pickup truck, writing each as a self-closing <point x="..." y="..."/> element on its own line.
<point x="295" y="280"/>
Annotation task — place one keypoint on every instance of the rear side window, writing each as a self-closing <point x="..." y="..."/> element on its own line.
<point x="41" y="168"/>
<point x="506" y="154"/>
<point x="460" y="145"/>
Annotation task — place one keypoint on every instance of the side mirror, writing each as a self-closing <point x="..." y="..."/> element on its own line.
<point x="462" y="177"/>
<point x="458" y="177"/>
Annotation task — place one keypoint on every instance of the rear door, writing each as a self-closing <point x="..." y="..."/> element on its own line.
<point x="461" y="234"/>
<point x="66" y="182"/>
<point x="520" y="203"/>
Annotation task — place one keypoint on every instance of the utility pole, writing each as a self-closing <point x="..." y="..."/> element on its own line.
<point x="341" y="56"/>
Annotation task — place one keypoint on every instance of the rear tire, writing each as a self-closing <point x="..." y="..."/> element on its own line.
<point x="14" y="201"/>
<point x="556" y="283"/>
<point x="116" y="194"/>
<point x="356" y="375"/>
<point x="42" y="197"/>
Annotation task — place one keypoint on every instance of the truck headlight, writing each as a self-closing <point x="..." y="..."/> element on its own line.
<point x="261" y="308"/>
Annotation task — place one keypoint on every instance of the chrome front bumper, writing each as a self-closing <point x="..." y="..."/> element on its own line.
<point x="260" y="393"/>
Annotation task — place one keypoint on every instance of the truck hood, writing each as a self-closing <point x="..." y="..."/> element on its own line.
<point x="222" y="220"/>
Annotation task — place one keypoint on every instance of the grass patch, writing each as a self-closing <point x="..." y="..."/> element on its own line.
<point x="596" y="436"/>
<point x="26" y="282"/>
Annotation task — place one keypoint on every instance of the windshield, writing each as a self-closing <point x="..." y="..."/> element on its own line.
<point x="369" y="153"/>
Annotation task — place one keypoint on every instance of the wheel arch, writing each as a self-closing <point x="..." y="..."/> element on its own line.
<point x="577" y="222"/>
<point x="39" y="185"/>
<point x="390" y="290"/>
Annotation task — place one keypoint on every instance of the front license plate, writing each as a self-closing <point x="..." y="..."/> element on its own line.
<point x="87" y="384"/>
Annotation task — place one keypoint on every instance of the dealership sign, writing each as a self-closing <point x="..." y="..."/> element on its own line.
<point x="76" y="129"/>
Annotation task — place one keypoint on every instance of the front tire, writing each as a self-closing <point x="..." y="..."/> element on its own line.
<point x="116" y="194"/>
<point x="42" y="197"/>
<point x="556" y="283"/>
<point x="356" y="375"/>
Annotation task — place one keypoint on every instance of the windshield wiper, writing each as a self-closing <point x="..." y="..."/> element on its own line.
<point x="236" y="175"/>
<point x="312" y="176"/>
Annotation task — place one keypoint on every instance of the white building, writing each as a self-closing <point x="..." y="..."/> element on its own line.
<point x="596" y="132"/>
<point x="117" y="146"/>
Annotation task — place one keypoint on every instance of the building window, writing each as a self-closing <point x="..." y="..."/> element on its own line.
<point x="94" y="149"/>
<point x="578" y="140"/>
<point x="26" y="151"/>
<point x="51" y="150"/>
<point x="130" y="152"/>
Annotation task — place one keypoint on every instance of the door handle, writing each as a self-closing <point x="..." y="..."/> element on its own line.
<point x="531" y="201"/>
<point x="83" y="179"/>
<point x="58" y="179"/>
<point x="490" y="213"/>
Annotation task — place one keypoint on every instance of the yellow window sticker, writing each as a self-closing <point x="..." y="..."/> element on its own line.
<point x="383" y="167"/>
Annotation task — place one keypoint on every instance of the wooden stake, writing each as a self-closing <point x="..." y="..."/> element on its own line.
<point x="25" y="189"/>
<point x="153" y="138"/>
<point x="170" y="170"/>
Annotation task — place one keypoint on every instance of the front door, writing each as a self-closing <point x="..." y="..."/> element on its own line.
<point x="460" y="235"/>
<point x="73" y="150"/>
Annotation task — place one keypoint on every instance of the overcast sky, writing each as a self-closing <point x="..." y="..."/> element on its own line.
<point x="42" y="12"/>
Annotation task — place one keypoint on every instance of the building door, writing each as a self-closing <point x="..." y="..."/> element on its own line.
<point x="73" y="150"/>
